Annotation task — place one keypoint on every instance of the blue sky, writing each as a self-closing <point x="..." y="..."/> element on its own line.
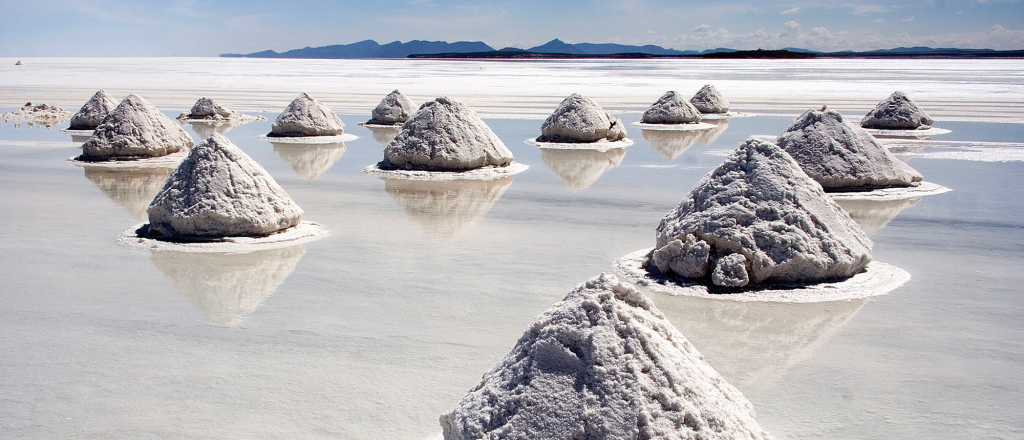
<point x="197" y="28"/>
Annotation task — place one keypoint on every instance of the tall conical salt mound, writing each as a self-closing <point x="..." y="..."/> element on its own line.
<point x="579" y="119"/>
<point x="758" y="217"/>
<point x="135" y="129"/>
<point x="671" y="108"/>
<point x="445" y="135"/>
<point x="897" y="112"/>
<point x="395" y="108"/>
<point x="840" y="155"/>
<point x="219" y="191"/>
<point x="306" y="116"/>
<point x="206" y="108"/>
<point x="92" y="113"/>
<point x="603" y="363"/>
<point x="708" y="100"/>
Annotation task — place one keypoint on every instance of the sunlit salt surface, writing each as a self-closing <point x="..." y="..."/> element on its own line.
<point x="377" y="329"/>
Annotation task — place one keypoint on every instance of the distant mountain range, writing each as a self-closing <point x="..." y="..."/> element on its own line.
<point x="558" y="49"/>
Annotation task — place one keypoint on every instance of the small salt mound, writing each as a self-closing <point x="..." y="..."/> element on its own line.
<point x="219" y="191"/>
<point x="840" y="155"/>
<point x="708" y="100"/>
<point x="671" y="108"/>
<point x="19" y="63"/>
<point x="897" y="112"/>
<point x="306" y="116"/>
<point x="759" y="217"/>
<point x="580" y="119"/>
<point x="603" y="363"/>
<point x="445" y="135"/>
<point x="41" y="114"/>
<point x="135" y="129"/>
<point x="92" y="113"/>
<point x="395" y="108"/>
<point x="206" y="108"/>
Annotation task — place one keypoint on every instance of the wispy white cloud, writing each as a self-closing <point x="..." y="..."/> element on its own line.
<point x="869" y="9"/>
<point x="908" y="19"/>
<point x="791" y="11"/>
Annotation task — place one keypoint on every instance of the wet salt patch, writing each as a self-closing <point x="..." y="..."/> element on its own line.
<point x="719" y="152"/>
<point x="888" y="194"/>
<point x="308" y="139"/>
<point x="764" y="137"/>
<point x="39" y="144"/>
<point x="674" y="127"/>
<point x="78" y="132"/>
<point x="599" y="145"/>
<point x="303" y="233"/>
<point x="656" y="166"/>
<point x="169" y="161"/>
<point x="877" y="279"/>
<point x="486" y="173"/>
<point x="959" y="150"/>
<point x="907" y="133"/>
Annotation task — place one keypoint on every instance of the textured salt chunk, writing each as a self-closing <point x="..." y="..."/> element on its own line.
<point x="840" y="155"/>
<point x="897" y="112"/>
<point x="731" y="271"/>
<point x="92" y="113"/>
<point x="135" y="129"/>
<point x="219" y="191"/>
<point x="206" y="108"/>
<point x="689" y="259"/>
<point x="580" y="119"/>
<point x="306" y="116"/>
<point x="395" y="108"/>
<point x="445" y="135"/>
<point x="761" y="204"/>
<point x="671" y="108"/>
<point x="603" y="363"/>
<point x="708" y="100"/>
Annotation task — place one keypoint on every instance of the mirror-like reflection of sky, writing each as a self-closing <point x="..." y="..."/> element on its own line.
<point x="377" y="329"/>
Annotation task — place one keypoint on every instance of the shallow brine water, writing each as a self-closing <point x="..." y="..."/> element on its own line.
<point x="374" y="331"/>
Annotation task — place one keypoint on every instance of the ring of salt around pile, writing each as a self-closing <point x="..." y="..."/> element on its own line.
<point x="601" y="145"/>
<point x="485" y="173"/>
<point x="372" y="126"/>
<point x="308" y="139"/>
<point x="889" y="194"/>
<point x="168" y="161"/>
<point x="692" y="126"/>
<point x="932" y="131"/>
<point x="302" y="233"/>
<point x="727" y="115"/>
<point x="877" y="279"/>
<point x="78" y="132"/>
<point x="241" y="119"/>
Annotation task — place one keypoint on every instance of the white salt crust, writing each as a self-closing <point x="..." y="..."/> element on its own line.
<point x="372" y="126"/>
<point x="728" y="115"/>
<point x="601" y="145"/>
<point x="485" y="173"/>
<point x="886" y="194"/>
<point x="877" y="279"/>
<point x="239" y="120"/>
<point x="167" y="161"/>
<point x="931" y="131"/>
<point x="302" y="233"/>
<point x="308" y="139"/>
<point x="693" y="126"/>
<point x="78" y="132"/>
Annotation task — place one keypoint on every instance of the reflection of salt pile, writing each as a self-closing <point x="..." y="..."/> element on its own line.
<point x="602" y="363"/>
<point x="219" y="191"/>
<point x="41" y="114"/>
<point x="309" y="161"/>
<point x="445" y="135"/>
<point x="707" y="137"/>
<point x="384" y="135"/>
<point x="227" y="287"/>
<point x="873" y="215"/>
<point x="671" y="143"/>
<point x="759" y="217"/>
<point x="671" y="108"/>
<point x="305" y="116"/>
<point x="446" y="209"/>
<point x="92" y="113"/>
<point x="135" y="130"/>
<point x="578" y="169"/>
<point x="130" y="188"/>
<point x="579" y="119"/>
<point x="205" y="129"/>
<point x="841" y="156"/>
<point x="754" y="343"/>
<point x="897" y="112"/>
<point x="395" y="108"/>
<point x="709" y="100"/>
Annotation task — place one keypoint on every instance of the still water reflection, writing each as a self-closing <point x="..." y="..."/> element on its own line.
<point x="130" y="188"/>
<point x="446" y="209"/>
<point x="873" y="215"/>
<point x="309" y="160"/>
<point x="578" y="169"/>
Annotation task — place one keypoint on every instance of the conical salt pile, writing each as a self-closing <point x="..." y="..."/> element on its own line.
<point x="840" y="155"/>
<point x="897" y="112"/>
<point x="206" y="108"/>
<point x="395" y="108"/>
<point x="671" y="109"/>
<point x="219" y="191"/>
<point x="306" y="116"/>
<point x="603" y="363"/>
<point x="759" y="217"/>
<point x="135" y="129"/>
<point x="92" y="113"/>
<point x="579" y="119"/>
<point x="708" y="100"/>
<point x="445" y="135"/>
<point x="19" y="63"/>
